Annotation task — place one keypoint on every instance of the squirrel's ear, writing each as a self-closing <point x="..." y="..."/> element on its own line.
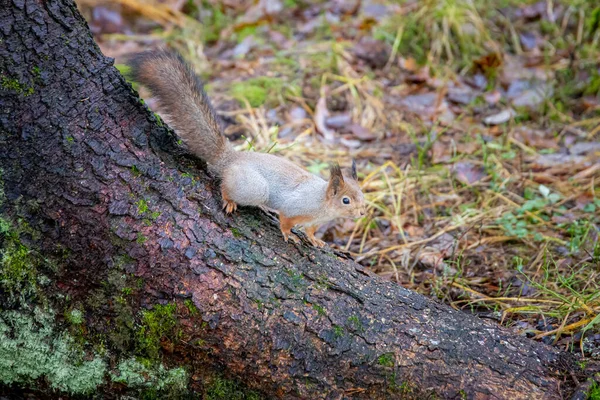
<point x="353" y="171"/>
<point x="336" y="180"/>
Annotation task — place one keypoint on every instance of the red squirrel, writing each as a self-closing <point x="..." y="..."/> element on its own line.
<point x="247" y="178"/>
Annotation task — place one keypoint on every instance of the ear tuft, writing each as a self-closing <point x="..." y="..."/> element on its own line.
<point x="336" y="179"/>
<point x="353" y="171"/>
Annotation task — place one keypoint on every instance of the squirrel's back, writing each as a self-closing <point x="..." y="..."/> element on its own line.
<point x="181" y="96"/>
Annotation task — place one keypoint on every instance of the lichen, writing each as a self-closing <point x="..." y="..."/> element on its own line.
<point x="2" y="196"/>
<point x="30" y="348"/>
<point x="122" y="334"/>
<point x="142" y="374"/>
<point x="75" y="317"/>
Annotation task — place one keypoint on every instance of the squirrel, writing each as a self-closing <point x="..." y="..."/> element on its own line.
<point x="247" y="178"/>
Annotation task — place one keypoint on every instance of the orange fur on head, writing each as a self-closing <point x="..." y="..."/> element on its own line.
<point x="344" y="193"/>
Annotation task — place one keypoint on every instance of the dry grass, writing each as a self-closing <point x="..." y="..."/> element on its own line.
<point x="519" y="243"/>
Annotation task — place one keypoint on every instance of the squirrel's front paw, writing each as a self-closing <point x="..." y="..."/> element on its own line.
<point x="317" y="242"/>
<point x="229" y="206"/>
<point x="292" y="237"/>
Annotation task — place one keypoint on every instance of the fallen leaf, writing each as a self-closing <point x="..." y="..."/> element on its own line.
<point x="462" y="95"/>
<point x="297" y="114"/>
<point x="373" y="10"/>
<point x="409" y="64"/>
<point x="244" y="47"/>
<point x="338" y="121"/>
<point x="534" y="11"/>
<point x="529" y="40"/>
<point x="488" y="62"/>
<point x="533" y="97"/>
<point x="468" y="173"/>
<point x="346" y="7"/>
<point x="349" y="142"/>
<point x="106" y="20"/>
<point x="500" y="118"/>
<point x="585" y="148"/>
<point x="440" y="152"/>
<point x="552" y="160"/>
<point x="492" y="97"/>
<point x="535" y="138"/>
<point x="374" y="52"/>
<point x="360" y="132"/>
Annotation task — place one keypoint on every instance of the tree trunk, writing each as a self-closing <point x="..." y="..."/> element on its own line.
<point x="93" y="175"/>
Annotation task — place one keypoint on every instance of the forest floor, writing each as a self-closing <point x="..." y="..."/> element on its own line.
<point x="475" y="125"/>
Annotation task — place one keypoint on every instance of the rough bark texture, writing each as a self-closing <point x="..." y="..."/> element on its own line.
<point x="81" y="160"/>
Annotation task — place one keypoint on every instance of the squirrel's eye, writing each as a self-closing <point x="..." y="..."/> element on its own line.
<point x="346" y="200"/>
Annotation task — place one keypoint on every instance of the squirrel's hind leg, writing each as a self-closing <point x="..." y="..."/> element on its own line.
<point x="243" y="186"/>
<point x="228" y="205"/>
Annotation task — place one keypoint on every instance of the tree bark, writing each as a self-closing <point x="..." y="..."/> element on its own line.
<point x="88" y="167"/>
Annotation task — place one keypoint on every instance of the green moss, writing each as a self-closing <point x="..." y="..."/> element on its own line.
<point x="191" y="307"/>
<point x="18" y="267"/>
<point x="355" y="323"/>
<point x="225" y="389"/>
<point x="297" y="279"/>
<point x="255" y="95"/>
<point x="135" y="171"/>
<point x="154" y="378"/>
<point x="404" y="388"/>
<point x="30" y="348"/>
<point x="140" y="239"/>
<point x="259" y="303"/>
<point x="159" y="120"/>
<point x="338" y="331"/>
<point x="156" y="324"/>
<point x="246" y="31"/>
<point x="14" y="84"/>
<point x="386" y="360"/>
<point x="594" y="392"/>
<point x="258" y="90"/>
<point x="124" y="69"/>
<point x="142" y="206"/>
<point x="320" y="310"/>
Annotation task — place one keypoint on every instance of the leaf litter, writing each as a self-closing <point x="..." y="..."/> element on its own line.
<point x="475" y="126"/>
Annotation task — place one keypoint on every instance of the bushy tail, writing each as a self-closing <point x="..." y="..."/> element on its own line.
<point x="182" y="97"/>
